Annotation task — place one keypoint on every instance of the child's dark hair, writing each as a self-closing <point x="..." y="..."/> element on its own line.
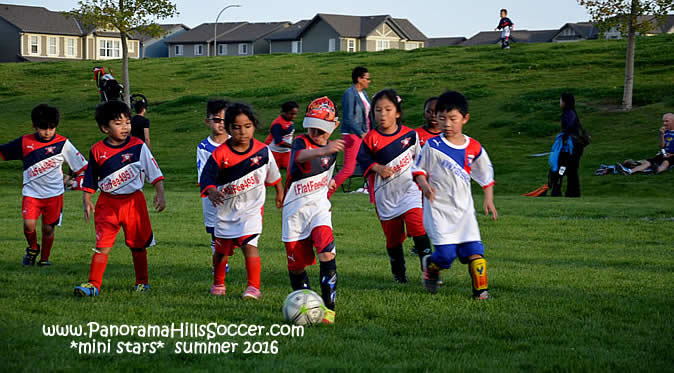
<point x="390" y="95"/>
<point x="358" y="72"/>
<point x="111" y="110"/>
<point x="504" y="11"/>
<point x="214" y="107"/>
<point x="289" y="106"/>
<point x="429" y="100"/>
<point x="45" y="116"/>
<point x="451" y="100"/>
<point x="139" y="106"/>
<point x="569" y="101"/>
<point x="236" y="109"/>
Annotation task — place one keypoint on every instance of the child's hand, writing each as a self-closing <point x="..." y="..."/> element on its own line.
<point x="662" y="130"/>
<point x="215" y="196"/>
<point x="88" y="210"/>
<point x="332" y="185"/>
<point x="335" y="146"/>
<point x="279" y="199"/>
<point x="429" y="192"/>
<point x="489" y="206"/>
<point x="159" y="202"/>
<point x="385" y="172"/>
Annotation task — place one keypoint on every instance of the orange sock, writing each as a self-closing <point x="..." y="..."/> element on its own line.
<point x="98" y="264"/>
<point x="220" y="267"/>
<point x="253" y="269"/>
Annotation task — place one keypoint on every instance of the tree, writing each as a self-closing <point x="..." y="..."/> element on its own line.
<point x="629" y="17"/>
<point x="127" y="16"/>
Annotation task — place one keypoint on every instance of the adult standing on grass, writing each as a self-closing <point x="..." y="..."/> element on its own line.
<point x="355" y="122"/>
<point x="569" y="158"/>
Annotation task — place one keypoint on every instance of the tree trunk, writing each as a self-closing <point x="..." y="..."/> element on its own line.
<point x="125" y="61"/>
<point x="629" y="58"/>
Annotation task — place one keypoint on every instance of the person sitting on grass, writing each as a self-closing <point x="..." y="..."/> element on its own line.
<point x="665" y="157"/>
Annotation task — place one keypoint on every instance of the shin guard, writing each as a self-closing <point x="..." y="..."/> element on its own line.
<point x="329" y="283"/>
<point x="423" y="246"/>
<point x="478" y="273"/>
<point x="397" y="258"/>
<point x="299" y="281"/>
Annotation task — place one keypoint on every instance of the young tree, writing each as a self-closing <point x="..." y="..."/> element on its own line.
<point x="627" y="17"/>
<point x="127" y="16"/>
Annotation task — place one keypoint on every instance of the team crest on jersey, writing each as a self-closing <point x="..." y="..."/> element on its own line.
<point x="255" y="161"/>
<point x="405" y="141"/>
<point x="49" y="150"/>
<point x="103" y="156"/>
<point x="126" y="157"/>
<point x="325" y="161"/>
<point x="470" y="158"/>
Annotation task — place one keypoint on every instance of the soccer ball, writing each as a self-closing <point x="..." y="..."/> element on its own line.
<point x="303" y="307"/>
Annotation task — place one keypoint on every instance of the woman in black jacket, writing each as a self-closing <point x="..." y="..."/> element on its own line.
<point x="569" y="162"/>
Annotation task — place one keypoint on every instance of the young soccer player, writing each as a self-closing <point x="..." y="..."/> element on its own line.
<point x="140" y="125"/>
<point x="43" y="154"/>
<point x="430" y="128"/>
<point x="234" y="179"/>
<point x="282" y="131"/>
<point x="307" y="218"/>
<point x="215" y="121"/>
<point x="118" y="165"/>
<point x="443" y="171"/>
<point x="387" y="153"/>
<point x="506" y="26"/>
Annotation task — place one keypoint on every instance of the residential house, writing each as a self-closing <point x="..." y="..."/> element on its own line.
<point x="444" y="42"/>
<point x="29" y="33"/>
<point x="664" y="27"/>
<point x="576" y="31"/>
<point x="234" y="39"/>
<point x="332" y="32"/>
<point x="153" y="47"/>
<point x="287" y="39"/>
<point x="517" y="36"/>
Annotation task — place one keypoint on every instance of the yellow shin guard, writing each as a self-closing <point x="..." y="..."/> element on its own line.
<point x="478" y="272"/>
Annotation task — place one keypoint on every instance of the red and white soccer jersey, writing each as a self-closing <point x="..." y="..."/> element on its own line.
<point x="450" y="218"/>
<point x="306" y="205"/>
<point x="204" y="151"/>
<point x="425" y="134"/>
<point x="398" y="193"/>
<point x="282" y="131"/>
<point x="242" y="178"/>
<point x="120" y="169"/>
<point x="42" y="163"/>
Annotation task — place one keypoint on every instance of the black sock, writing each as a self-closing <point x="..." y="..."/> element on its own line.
<point x="299" y="281"/>
<point x="329" y="283"/>
<point x="423" y="245"/>
<point x="397" y="258"/>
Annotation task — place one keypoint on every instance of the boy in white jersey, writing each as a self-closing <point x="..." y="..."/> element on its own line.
<point x="43" y="154"/>
<point x="118" y="167"/>
<point x="443" y="170"/>
<point x="215" y="121"/>
<point x="307" y="219"/>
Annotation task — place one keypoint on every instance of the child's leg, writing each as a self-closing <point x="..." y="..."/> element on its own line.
<point x="51" y="216"/>
<point x="664" y="166"/>
<point x="472" y="253"/>
<point x="30" y="231"/>
<point x="98" y="263"/>
<point x="442" y="258"/>
<point x="47" y="241"/>
<point x="30" y="211"/>
<point x="645" y="165"/>
<point x="140" y="265"/>
<point x="394" y="231"/>
<point x="219" y="273"/>
<point x="414" y="222"/>
<point x="324" y="241"/>
<point x="253" y="265"/>
<point x="296" y="254"/>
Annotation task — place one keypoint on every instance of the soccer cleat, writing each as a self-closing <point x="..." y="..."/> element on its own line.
<point x="252" y="293"/>
<point x="218" y="289"/>
<point x="622" y="169"/>
<point x="482" y="296"/>
<point x="430" y="276"/>
<point x="29" y="258"/>
<point x="86" y="290"/>
<point x="43" y="263"/>
<point x="400" y="278"/>
<point x="142" y="288"/>
<point x="328" y="316"/>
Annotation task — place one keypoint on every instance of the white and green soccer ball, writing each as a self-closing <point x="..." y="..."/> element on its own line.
<point x="303" y="307"/>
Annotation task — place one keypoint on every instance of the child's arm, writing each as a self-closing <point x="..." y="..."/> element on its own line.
<point x="489" y="202"/>
<point x="367" y="162"/>
<point x="662" y="137"/>
<point x="309" y="154"/>
<point x="146" y="132"/>
<point x="12" y="150"/>
<point x="383" y="171"/>
<point x="159" y="200"/>
<point x="88" y="205"/>
<point x="483" y="173"/>
<point x="426" y="188"/>
<point x="279" y="195"/>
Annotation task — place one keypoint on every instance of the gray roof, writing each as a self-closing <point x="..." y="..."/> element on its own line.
<point x="231" y="32"/>
<point x="666" y="25"/>
<point x="586" y="30"/>
<point x="291" y="32"/>
<point x="39" y="20"/>
<point x="204" y="32"/>
<point x="534" y="36"/>
<point x="483" y="37"/>
<point x="413" y="33"/>
<point x="251" y="32"/>
<point x="362" y="26"/>
<point x="444" y="42"/>
<point x="166" y="30"/>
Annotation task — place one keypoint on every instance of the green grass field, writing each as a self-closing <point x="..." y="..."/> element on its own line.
<point x="579" y="284"/>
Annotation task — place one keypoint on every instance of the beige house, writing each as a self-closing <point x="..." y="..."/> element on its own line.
<point x="30" y="33"/>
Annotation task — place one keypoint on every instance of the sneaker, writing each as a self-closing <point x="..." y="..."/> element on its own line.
<point x="252" y="293"/>
<point x="218" y="289"/>
<point x="29" y="258"/>
<point x="483" y="296"/>
<point x="86" y="290"/>
<point x="142" y="288"/>
<point x="328" y="316"/>
<point x="430" y="277"/>
<point x="43" y="263"/>
<point x="359" y="190"/>
<point x="622" y="169"/>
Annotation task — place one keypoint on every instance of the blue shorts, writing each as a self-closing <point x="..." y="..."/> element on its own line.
<point x="444" y="255"/>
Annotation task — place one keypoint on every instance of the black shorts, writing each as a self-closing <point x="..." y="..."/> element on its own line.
<point x="658" y="160"/>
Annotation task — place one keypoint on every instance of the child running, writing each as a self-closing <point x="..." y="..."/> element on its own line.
<point x="431" y="127"/>
<point x="307" y="218"/>
<point x="387" y="153"/>
<point x="281" y="134"/>
<point x="506" y="26"/>
<point x="443" y="170"/>
<point x="234" y="179"/>
<point x="43" y="154"/>
<point x="118" y="165"/>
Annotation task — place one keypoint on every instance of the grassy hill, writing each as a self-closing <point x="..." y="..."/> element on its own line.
<point x="578" y="285"/>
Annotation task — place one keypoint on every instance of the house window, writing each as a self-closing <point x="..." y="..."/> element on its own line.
<point x="51" y="46"/>
<point x="109" y="48"/>
<point x="331" y="45"/>
<point x="351" y="45"/>
<point x="70" y="47"/>
<point x="178" y="50"/>
<point x="243" y="48"/>
<point x="383" y="45"/>
<point x="199" y="50"/>
<point x="34" y="45"/>
<point x="296" y="47"/>
<point x="222" y="49"/>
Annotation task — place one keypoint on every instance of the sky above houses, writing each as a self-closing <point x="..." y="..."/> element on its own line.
<point x="435" y="18"/>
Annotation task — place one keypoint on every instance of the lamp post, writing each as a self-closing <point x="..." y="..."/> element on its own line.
<point x="215" y="30"/>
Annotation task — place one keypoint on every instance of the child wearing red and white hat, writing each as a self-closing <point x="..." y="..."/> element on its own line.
<point x="307" y="219"/>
